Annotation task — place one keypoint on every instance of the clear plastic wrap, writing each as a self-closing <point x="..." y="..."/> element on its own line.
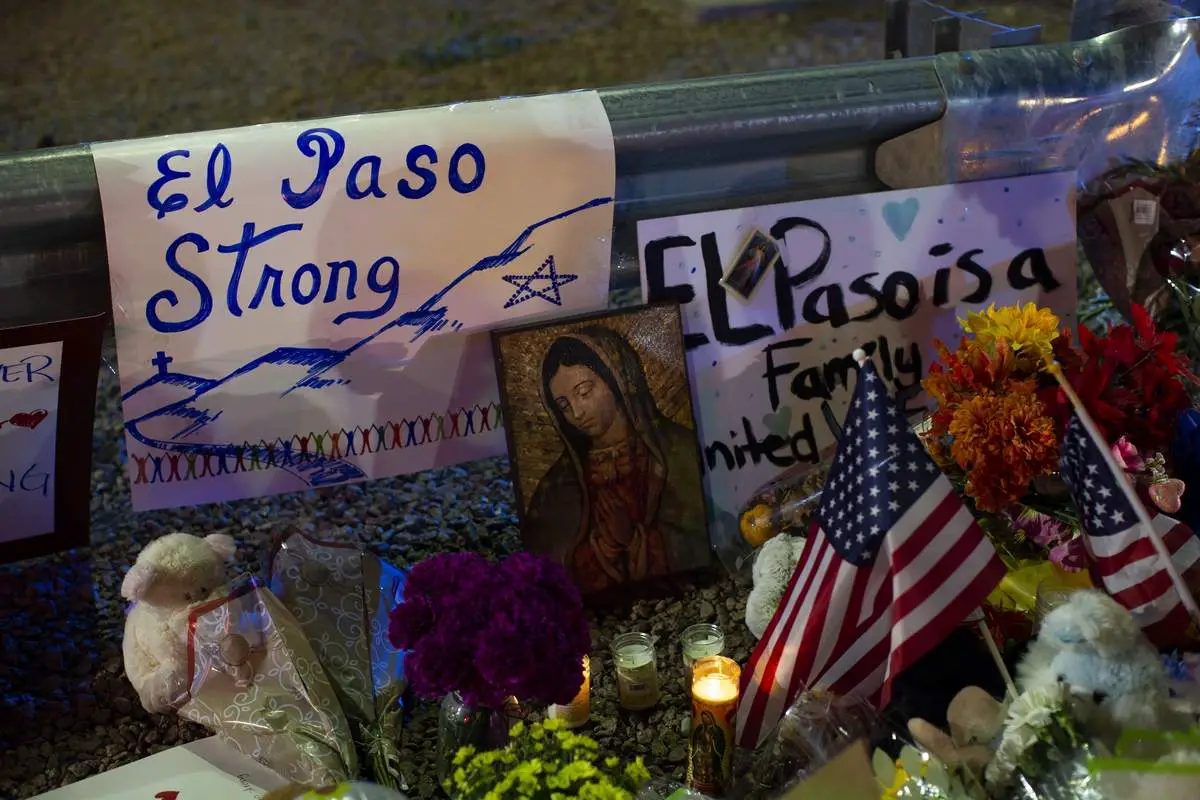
<point x="783" y="505"/>
<point x="1150" y="765"/>
<point x="341" y="596"/>
<point x="256" y="682"/>
<point x="814" y="730"/>
<point x="343" y="791"/>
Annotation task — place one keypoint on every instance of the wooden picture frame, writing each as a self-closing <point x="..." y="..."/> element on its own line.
<point x="28" y="380"/>
<point x="603" y="446"/>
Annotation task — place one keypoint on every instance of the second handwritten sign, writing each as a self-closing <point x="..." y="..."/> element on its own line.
<point x="777" y="298"/>
<point x="303" y="304"/>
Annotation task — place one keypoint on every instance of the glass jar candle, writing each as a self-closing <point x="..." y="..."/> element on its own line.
<point x="637" y="671"/>
<point x="578" y="711"/>
<point x="698" y="641"/>
<point x="715" y="691"/>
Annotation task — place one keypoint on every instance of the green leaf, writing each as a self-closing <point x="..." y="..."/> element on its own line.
<point x="885" y="768"/>
<point x="913" y="760"/>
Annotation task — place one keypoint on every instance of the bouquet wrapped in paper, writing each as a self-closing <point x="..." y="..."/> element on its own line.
<point x="341" y="597"/>
<point x="256" y="682"/>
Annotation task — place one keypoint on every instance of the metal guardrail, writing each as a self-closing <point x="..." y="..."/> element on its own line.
<point x="737" y="141"/>
<point x="680" y="147"/>
<point x="924" y="28"/>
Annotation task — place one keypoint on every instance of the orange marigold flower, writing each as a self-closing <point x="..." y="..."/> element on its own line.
<point x="1003" y="441"/>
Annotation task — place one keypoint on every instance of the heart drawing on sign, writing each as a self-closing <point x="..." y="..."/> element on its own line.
<point x="901" y="216"/>
<point x="28" y="419"/>
<point x="779" y="422"/>
<point x="169" y="795"/>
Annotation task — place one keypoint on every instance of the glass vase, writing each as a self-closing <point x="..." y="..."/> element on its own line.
<point x="461" y="724"/>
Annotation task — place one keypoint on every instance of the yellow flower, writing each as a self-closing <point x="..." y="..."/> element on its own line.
<point x="1029" y="330"/>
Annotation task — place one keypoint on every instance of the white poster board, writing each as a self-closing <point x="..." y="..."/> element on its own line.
<point x="888" y="272"/>
<point x="206" y="769"/>
<point x="304" y="304"/>
<point x="29" y="380"/>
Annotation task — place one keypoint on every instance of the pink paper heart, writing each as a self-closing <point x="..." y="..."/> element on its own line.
<point x="1167" y="494"/>
<point x="29" y="419"/>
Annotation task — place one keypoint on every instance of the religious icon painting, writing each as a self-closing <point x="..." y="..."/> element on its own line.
<point x="603" y="445"/>
<point x="47" y="402"/>
<point x="757" y="254"/>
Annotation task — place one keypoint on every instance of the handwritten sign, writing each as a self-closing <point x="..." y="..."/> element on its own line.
<point x="29" y="382"/>
<point x="887" y="272"/>
<point x="305" y="304"/>
<point x="199" y="770"/>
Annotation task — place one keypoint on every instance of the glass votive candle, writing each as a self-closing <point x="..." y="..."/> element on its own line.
<point x="715" y="690"/>
<point x="637" y="671"/>
<point x="698" y="641"/>
<point x="578" y="711"/>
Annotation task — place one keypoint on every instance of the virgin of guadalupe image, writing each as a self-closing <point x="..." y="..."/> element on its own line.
<point x="622" y="502"/>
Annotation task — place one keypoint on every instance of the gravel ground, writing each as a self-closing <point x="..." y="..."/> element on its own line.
<point x="91" y="71"/>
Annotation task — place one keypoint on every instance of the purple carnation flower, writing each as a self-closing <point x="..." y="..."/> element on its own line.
<point x="490" y="631"/>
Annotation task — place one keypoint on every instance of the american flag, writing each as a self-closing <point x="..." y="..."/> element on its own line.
<point x="1121" y="556"/>
<point x="893" y="564"/>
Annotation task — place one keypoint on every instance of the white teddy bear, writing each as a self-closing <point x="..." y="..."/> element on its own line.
<point x="1093" y="644"/>
<point x="171" y="574"/>
<point x="774" y="564"/>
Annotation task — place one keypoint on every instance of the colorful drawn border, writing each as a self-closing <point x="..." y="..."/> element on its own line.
<point x="156" y="466"/>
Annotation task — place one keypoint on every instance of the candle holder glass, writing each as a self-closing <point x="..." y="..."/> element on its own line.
<point x="577" y="712"/>
<point x="698" y="641"/>
<point x="637" y="671"/>
<point x="715" y="681"/>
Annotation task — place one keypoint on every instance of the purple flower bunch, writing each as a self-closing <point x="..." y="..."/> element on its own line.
<point x="491" y="631"/>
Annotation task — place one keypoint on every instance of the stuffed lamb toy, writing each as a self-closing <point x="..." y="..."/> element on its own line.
<point x="773" y="566"/>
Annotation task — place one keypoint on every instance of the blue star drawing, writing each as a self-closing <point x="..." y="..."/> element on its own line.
<point x="546" y="272"/>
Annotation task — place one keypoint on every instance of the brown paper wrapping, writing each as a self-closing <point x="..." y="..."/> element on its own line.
<point x="257" y="683"/>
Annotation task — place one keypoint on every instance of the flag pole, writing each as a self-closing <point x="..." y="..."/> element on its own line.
<point x="860" y="356"/>
<point x="994" y="649"/>
<point x="1189" y="602"/>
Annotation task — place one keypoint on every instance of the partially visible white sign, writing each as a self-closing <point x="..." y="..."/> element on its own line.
<point x="205" y="769"/>
<point x="777" y="298"/>
<point x="29" y="378"/>
<point x="305" y="304"/>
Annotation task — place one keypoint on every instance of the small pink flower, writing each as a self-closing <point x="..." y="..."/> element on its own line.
<point x="1127" y="456"/>
<point x="1043" y="530"/>
<point x="1070" y="555"/>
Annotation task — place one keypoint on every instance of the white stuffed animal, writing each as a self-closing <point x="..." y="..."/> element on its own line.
<point x="774" y="564"/>
<point x="1093" y="644"/>
<point x="170" y="575"/>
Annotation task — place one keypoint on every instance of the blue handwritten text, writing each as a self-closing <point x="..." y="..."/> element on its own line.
<point x="30" y="369"/>
<point x="328" y="147"/>
<point x="310" y="282"/>
<point x="220" y="171"/>
<point x="31" y="480"/>
<point x="306" y="283"/>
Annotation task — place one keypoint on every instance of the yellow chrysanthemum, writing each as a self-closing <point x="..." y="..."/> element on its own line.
<point x="1029" y="330"/>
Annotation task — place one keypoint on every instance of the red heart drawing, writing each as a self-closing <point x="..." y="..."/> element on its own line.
<point x="29" y="419"/>
<point x="166" y="796"/>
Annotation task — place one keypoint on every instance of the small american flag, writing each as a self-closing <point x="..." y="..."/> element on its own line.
<point x="894" y="563"/>
<point x="1121" y="556"/>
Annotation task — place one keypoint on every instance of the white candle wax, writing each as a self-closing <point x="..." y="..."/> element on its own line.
<point x="715" y="689"/>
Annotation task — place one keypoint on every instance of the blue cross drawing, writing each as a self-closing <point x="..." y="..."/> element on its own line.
<point x="162" y="361"/>
<point x="546" y="272"/>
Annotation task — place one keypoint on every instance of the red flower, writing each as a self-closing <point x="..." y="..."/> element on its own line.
<point x="1131" y="380"/>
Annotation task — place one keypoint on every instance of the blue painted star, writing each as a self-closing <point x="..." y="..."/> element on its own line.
<point x="546" y="272"/>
